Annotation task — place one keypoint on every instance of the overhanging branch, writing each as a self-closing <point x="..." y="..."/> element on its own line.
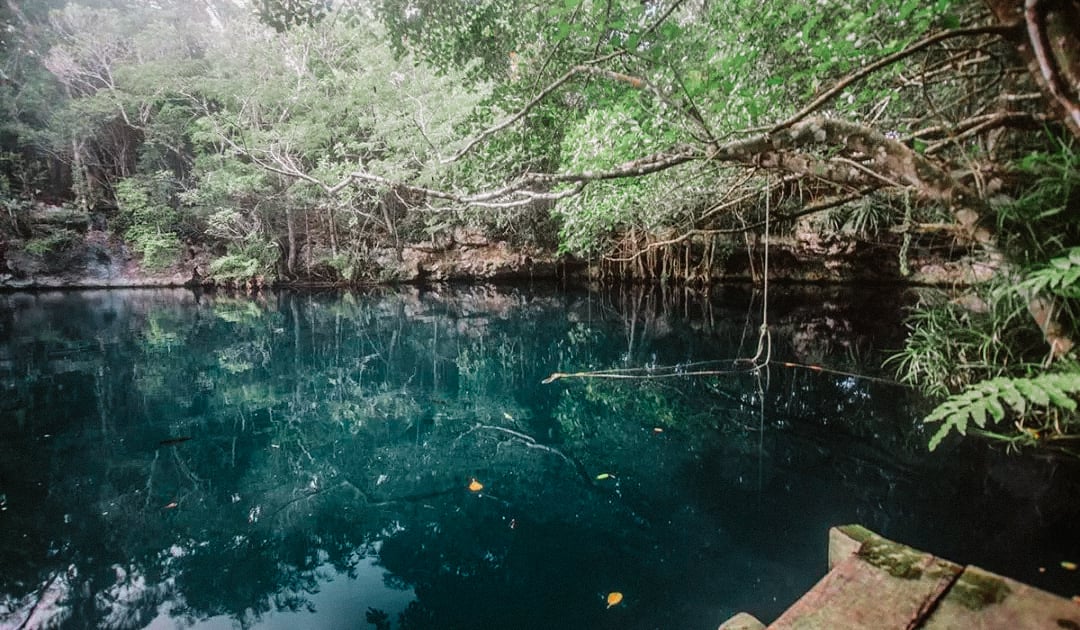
<point x="811" y="208"/>
<point x="888" y="60"/>
<point x="1053" y="62"/>
<point x="791" y="150"/>
<point x="1035" y="19"/>
<point x="586" y="68"/>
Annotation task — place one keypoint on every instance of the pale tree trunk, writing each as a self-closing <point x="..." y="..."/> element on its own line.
<point x="290" y="254"/>
<point x="80" y="177"/>
<point x="384" y="206"/>
<point x="331" y="224"/>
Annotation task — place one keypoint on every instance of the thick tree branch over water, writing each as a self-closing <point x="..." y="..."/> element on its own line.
<point x="588" y="68"/>
<point x="880" y="158"/>
<point x="837" y="154"/>
<point x="1051" y="49"/>
<point x="820" y="205"/>
<point x="841" y="152"/>
<point x="1037" y="16"/>
<point x="869" y="69"/>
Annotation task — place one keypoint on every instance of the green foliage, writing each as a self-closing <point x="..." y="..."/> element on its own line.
<point x="54" y="241"/>
<point x="991" y="354"/>
<point x="454" y="34"/>
<point x="866" y="218"/>
<point x="245" y="261"/>
<point x="333" y="100"/>
<point x="281" y="15"/>
<point x="344" y="265"/>
<point x="994" y="399"/>
<point x="603" y="139"/>
<point x="1044" y="218"/>
<point x="954" y="343"/>
<point x="149" y="219"/>
<point x="1060" y="277"/>
<point x="159" y="250"/>
<point x="226" y="181"/>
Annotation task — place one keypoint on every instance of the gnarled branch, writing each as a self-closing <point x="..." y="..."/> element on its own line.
<point x="1035" y="16"/>
<point x="865" y="71"/>
<point x="1053" y="62"/>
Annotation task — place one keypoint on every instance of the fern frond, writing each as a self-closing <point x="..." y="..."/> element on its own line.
<point x="988" y="400"/>
<point x="1061" y="276"/>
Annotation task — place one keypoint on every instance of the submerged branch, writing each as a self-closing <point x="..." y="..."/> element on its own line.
<point x="41" y="601"/>
<point x="529" y="441"/>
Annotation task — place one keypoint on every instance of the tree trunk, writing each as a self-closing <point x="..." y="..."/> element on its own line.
<point x="290" y="254"/>
<point x="332" y="227"/>
<point x="1051" y="50"/>
<point x="80" y="184"/>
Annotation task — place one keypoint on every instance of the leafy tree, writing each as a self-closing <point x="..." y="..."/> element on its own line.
<point x="329" y="99"/>
<point x="884" y="115"/>
<point x="281" y="15"/>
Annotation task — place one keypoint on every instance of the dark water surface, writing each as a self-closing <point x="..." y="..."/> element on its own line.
<point x="294" y="460"/>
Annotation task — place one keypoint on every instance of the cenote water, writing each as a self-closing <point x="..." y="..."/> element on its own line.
<point x="392" y="459"/>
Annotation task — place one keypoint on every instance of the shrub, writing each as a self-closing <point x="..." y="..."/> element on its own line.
<point x="149" y="219"/>
<point x="247" y="261"/>
<point x="52" y="242"/>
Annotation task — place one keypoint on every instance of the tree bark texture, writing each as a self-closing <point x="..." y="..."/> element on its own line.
<point x="1050" y="45"/>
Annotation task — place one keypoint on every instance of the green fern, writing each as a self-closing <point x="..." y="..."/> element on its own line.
<point x="988" y="400"/>
<point x="1060" y="277"/>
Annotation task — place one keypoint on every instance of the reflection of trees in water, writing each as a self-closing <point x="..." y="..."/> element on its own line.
<point x="324" y="426"/>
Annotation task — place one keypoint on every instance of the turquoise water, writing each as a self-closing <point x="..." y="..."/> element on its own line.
<point x="173" y="459"/>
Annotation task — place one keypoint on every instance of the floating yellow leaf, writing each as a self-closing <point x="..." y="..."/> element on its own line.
<point x="603" y="476"/>
<point x="614" y="598"/>
<point x="1068" y="566"/>
<point x="475" y="486"/>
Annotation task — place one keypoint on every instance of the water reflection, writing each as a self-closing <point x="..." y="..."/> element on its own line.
<point x="172" y="459"/>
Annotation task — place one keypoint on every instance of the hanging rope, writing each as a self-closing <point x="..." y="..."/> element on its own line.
<point x="764" y="337"/>
<point x="761" y="359"/>
<point x="681" y="370"/>
<point x="744" y="365"/>
<point x="668" y="371"/>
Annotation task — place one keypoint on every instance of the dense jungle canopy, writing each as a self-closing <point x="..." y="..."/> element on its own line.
<point x="316" y="140"/>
